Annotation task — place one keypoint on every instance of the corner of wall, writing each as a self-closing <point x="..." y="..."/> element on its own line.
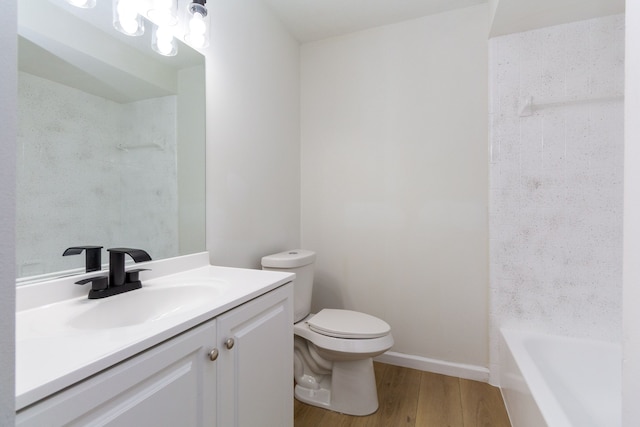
<point x="631" y="286"/>
<point x="493" y="8"/>
<point x="8" y="113"/>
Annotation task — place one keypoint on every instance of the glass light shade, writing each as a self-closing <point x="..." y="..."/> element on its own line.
<point x="163" y="12"/>
<point x="163" y="42"/>
<point x="126" y="18"/>
<point x="85" y="4"/>
<point x="198" y="27"/>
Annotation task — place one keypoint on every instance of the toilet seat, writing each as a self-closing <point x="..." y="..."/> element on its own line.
<point x="348" y="324"/>
<point x="355" y="348"/>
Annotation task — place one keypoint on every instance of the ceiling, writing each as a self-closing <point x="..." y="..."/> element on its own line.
<point x="310" y="20"/>
<point x="514" y="16"/>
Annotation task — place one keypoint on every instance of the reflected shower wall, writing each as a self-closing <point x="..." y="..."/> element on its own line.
<point x="92" y="172"/>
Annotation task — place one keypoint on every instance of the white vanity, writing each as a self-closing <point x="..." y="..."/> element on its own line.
<point x="198" y="345"/>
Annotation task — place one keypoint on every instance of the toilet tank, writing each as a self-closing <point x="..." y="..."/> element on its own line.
<point x="300" y="262"/>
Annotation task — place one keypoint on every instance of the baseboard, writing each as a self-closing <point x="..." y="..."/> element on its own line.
<point x="460" y="370"/>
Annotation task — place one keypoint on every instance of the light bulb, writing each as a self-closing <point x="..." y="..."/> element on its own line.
<point x="197" y="40"/>
<point x="130" y="26"/>
<point x="197" y="24"/>
<point x="165" y="47"/>
<point x="126" y="18"/>
<point x="163" y="41"/>
<point x="163" y="33"/>
<point x="163" y="12"/>
<point x="197" y="31"/>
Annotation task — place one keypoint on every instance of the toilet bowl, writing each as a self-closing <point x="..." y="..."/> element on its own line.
<point x="336" y="372"/>
<point x="333" y="349"/>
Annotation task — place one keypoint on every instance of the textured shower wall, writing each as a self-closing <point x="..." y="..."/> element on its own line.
<point x="76" y="187"/>
<point x="148" y="177"/>
<point x="556" y="180"/>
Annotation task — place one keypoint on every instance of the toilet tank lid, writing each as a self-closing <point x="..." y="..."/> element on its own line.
<point x="289" y="259"/>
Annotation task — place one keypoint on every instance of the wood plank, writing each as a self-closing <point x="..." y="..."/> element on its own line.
<point x="306" y="415"/>
<point x="411" y="398"/>
<point x="379" y="370"/>
<point x="439" y="403"/>
<point x="482" y="405"/>
<point x="398" y="397"/>
<point x="311" y="416"/>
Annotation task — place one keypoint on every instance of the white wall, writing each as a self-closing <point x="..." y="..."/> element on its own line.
<point x="556" y="186"/>
<point x="394" y="179"/>
<point x="631" y="305"/>
<point x="8" y="126"/>
<point x="253" y="154"/>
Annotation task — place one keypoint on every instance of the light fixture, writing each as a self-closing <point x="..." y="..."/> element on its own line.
<point x="163" y="12"/>
<point x="85" y="4"/>
<point x="163" y="42"/>
<point x="190" y="25"/>
<point x="126" y="18"/>
<point x="197" y="34"/>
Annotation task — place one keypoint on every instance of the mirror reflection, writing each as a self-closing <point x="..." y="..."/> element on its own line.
<point x="110" y="141"/>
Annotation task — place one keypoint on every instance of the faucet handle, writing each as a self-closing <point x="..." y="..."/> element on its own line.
<point x="93" y="256"/>
<point x="131" y="276"/>
<point x="98" y="283"/>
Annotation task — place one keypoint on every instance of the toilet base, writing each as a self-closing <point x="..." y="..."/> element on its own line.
<point x="350" y="389"/>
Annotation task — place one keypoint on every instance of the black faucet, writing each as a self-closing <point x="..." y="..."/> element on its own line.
<point x="93" y="256"/>
<point x="119" y="280"/>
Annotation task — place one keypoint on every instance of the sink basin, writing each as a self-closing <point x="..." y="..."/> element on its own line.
<point x="148" y="304"/>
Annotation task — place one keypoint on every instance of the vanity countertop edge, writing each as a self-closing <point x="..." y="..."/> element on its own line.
<point x="48" y="364"/>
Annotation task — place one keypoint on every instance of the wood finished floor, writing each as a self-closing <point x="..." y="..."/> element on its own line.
<point x="408" y="397"/>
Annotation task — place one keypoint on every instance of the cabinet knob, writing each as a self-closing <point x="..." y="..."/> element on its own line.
<point x="229" y="343"/>
<point x="213" y="354"/>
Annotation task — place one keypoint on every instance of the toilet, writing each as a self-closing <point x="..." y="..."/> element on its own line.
<point x="333" y="349"/>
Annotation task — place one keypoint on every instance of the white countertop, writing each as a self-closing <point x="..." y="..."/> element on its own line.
<point x="53" y="352"/>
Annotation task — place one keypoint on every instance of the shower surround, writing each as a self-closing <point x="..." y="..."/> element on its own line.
<point x="556" y="180"/>
<point x="92" y="171"/>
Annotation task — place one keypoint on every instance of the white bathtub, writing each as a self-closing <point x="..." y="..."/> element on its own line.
<point x="557" y="381"/>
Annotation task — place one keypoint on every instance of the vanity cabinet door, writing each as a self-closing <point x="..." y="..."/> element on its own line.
<point x="255" y="366"/>
<point x="172" y="384"/>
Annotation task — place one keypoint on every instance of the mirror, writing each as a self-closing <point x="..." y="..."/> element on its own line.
<point x="111" y="141"/>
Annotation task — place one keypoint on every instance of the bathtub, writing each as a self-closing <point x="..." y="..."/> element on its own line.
<point x="557" y="381"/>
